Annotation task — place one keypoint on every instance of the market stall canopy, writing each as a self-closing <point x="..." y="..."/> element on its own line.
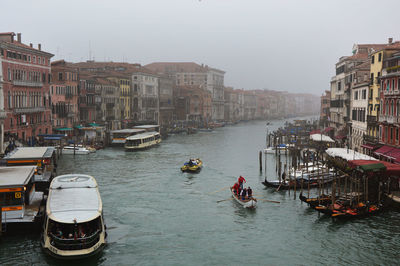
<point x="389" y="152"/>
<point x="321" y="138"/>
<point x="348" y="154"/>
<point x="391" y="168"/>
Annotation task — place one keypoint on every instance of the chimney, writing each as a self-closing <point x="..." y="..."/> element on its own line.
<point x="390" y="40"/>
<point x="19" y="37"/>
<point x="39" y="46"/>
<point x="31" y="45"/>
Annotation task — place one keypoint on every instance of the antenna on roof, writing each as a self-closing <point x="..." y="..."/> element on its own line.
<point x="90" y="51"/>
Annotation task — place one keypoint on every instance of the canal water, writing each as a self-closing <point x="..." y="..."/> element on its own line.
<point x="156" y="215"/>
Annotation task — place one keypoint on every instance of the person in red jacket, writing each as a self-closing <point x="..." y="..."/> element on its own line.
<point x="241" y="180"/>
<point x="236" y="188"/>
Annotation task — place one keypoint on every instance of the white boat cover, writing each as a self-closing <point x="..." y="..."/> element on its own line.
<point x="321" y="138"/>
<point x="348" y="154"/>
<point x="74" y="198"/>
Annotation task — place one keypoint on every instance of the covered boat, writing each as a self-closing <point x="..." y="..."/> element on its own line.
<point x="193" y="165"/>
<point x="74" y="225"/>
<point x="249" y="203"/>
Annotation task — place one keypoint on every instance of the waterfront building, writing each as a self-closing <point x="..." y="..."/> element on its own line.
<point x="166" y="100"/>
<point x="192" y="103"/>
<point x="87" y="104"/>
<point x="26" y="87"/>
<point x="107" y="99"/>
<point x="341" y="87"/>
<point x="189" y="73"/>
<point x="371" y="139"/>
<point x="2" y="111"/>
<point x="64" y="93"/>
<point x="125" y="96"/>
<point x="324" y="111"/>
<point x="389" y="118"/>
<point x="250" y="105"/>
<point x="359" y="84"/>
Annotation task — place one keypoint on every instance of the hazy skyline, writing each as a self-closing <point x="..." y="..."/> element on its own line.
<point x="289" y="45"/>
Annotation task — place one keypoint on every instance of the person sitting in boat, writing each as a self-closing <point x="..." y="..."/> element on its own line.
<point x="249" y="192"/>
<point x="244" y="193"/>
<point x="241" y="180"/>
<point x="283" y="177"/>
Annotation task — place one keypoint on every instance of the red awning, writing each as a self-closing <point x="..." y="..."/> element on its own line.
<point x="315" y="132"/>
<point x="368" y="147"/>
<point x="391" y="168"/>
<point x="384" y="150"/>
<point x="328" y="129"/>
<point x="340" y="137"/>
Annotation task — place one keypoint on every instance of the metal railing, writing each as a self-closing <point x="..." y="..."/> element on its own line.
<point x="75" y="244"/>
<point x="27" y="83"/>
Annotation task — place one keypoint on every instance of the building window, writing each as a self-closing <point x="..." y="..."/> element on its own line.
<point x="364" y="94"/>
<point x="379" y="57"/>
<point x="339" y="86"/>
<point x="372" y="59"/>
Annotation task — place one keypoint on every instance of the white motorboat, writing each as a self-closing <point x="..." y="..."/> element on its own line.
<point x="75" y="150"/>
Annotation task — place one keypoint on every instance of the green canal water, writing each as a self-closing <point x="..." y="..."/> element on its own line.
<point x="157" y="215"/>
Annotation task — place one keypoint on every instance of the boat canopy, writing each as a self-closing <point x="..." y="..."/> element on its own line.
<point x="73" y="198"/>
<point x="127" y="131"/>
<point x="143" y="135"/>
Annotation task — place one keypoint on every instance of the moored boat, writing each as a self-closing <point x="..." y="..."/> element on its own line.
<point x="194" y="165"/>
<point x="249" y="203"/>
<point x="75" y="150"/>
<point x="73" y="225"/>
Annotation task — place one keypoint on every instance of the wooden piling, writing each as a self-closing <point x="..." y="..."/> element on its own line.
<point x="260" y="160"/>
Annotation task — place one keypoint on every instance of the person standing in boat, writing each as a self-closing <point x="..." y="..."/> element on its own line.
<point x="236" y="188"/>
<point x="243" y="193"/>
<point x="241" y="180"/>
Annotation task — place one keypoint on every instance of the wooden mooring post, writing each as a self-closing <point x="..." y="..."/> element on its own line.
<point x="260" y="160"/>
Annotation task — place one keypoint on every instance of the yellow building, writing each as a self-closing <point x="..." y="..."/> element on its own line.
<point x="125" y="95"/>
<point x="373" y="95"/>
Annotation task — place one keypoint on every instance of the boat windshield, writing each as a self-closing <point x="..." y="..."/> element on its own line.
<point x="134" y="142"/>
<point x="74" y="236"/>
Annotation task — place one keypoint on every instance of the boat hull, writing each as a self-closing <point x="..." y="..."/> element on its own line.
<point x="193" y="168"/>
<point x="249" y="204"/>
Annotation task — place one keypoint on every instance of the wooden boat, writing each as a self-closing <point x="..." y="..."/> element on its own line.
<point x="247" y="203"/>
<point x="192" y="166"/>
<point x="394" y="199"/>
<point x="314" y="202"/>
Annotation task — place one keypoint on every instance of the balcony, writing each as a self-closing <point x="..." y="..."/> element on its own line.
<point x="371" y="119"/>
<point x="71" y="115"/>
<point x="27" y="110"/>
<point x="370" y="139"/>
<point x="389" y="119"/>
<point x="26" y="83"/>
<point x="3" y="114"/>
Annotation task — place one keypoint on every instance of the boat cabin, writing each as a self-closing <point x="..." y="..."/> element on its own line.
<point x="74" y="225"/>
<point x="143" y="141"/>
<point x="118" y="137"/>
<point x="19" y="200"/>
<point x="149" y="128"/>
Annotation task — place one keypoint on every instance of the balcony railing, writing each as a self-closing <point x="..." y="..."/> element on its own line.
<point x="370" y="139"/>
<point x="70" y="115"/>
<point x="371" y="119"/>
<point x="3" y="114"/>
<point x="22" y="110"/>
<point x="27" y="83"/>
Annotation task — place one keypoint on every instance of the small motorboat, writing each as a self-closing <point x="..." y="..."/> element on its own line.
<point x="193" y="165"/>
<point x="249" y="203"/>
<point x="75" y="150"/>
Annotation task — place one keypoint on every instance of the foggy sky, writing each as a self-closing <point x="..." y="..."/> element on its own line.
<point x="289" y="45"/>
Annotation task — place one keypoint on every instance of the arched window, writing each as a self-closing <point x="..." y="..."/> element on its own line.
<point x="392" y="107"/>
<point x="398" y="108"/>
<point x="387" y="108"/>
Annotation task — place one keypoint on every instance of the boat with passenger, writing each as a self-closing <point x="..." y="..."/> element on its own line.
<point x="193" y="166"/>
<point x="142" y="141"/>
<point x="118" y="137"/>
<point x="246" y="201"/>
<point x="73" y="225"/>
